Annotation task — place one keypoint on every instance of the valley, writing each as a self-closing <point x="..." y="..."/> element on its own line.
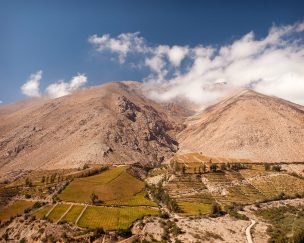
<point x="189" y="196"/>
<point x="108" y="164"/>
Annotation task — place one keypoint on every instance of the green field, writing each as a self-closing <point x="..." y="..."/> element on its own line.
<point x="73" y="214"/>
<point x="58" y="211"/>
<point x="40" y="213"/>
<point x="17" y="208"/>
<point x="113" y="218"/>
<point x="140" y="199"/>
<point x="114" y="186"/>
<point x="192" y="208"/>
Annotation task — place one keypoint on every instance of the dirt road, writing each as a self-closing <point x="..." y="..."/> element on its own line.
<point x="248" y="234"/>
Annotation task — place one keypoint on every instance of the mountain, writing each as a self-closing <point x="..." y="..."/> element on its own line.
<point x="113" y="123"/>
<point x="247" y="125"/>
<point x="116" y="123"/>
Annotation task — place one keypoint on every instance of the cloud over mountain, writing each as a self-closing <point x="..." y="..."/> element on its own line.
<point x="54" y="90"/>
<point x="272" y="65"/>
<point x="62" y="88"/>
<point x="31" y="87"/>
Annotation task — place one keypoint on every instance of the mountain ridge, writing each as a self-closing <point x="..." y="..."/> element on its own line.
<point x="116" y="123"/>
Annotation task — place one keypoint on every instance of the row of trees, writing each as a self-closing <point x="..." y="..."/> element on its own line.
<point x="269" y="167"/>
<point x="177" y="167"/>
<point x="52" y="178"/>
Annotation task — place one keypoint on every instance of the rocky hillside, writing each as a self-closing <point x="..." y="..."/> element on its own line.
<point x="116" y="124"/>
<point x="112" y="123"/>
<point x="247" y="125"/>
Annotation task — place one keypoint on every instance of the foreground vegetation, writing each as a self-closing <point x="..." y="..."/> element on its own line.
<point x="287" y="223"/>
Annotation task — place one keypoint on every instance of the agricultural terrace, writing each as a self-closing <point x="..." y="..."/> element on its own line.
<point x="243" y="186"/>
<point x="108" y="218"/>
<point x="42" y="183"/>
<point x="113" y="187"/>
<point x="14" y="209"/>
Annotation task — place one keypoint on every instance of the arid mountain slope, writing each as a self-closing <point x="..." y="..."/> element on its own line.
<point x="112" y="123"/>
<point x="247" y="125"/>
<point x="115" y="123"/>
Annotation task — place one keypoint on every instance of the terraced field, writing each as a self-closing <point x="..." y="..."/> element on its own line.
<point x="139" y="199"/>
<point x="73" y="213"/>
<point x="40" y="213"/>
<point x="57" y="212"/>
<point x="113" y="218"/>
<point x="192" y="208"/>
<point x="108" y="218"/>
<point x="114" y="186"/>
<point x="17" y="208"/>
<point x="247" y="186"/>
<point x="123" y="198"/>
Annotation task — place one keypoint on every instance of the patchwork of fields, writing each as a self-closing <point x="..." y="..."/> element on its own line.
<point x="196" y="192"/>
<point x="108" y="218"/>
<point x="123" y="201"/>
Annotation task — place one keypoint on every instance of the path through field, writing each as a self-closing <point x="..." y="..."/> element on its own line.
<point x="248" y="233"/>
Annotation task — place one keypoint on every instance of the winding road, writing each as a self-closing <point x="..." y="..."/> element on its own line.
<point x="248" y="234"/>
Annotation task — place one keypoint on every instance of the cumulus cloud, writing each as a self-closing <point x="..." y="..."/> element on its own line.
<point x="54" y="90"/>
<point x="123" y="44"/>
<point x="62" y="88"/>
<point x="272" y="65"/>
<point x="31" y="87"/>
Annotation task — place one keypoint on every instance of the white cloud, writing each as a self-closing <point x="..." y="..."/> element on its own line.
<point x="54" y="90"/>
<point x="62" y="88"/>
<point x="122" y="45"/>
<point x="176" y="54"/>
<point x="272" y="65"/>
<point x="1" y="102"/>
<point x="31" y="87"/>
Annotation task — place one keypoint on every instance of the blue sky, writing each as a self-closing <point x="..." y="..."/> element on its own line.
<point x="52" y="36"/>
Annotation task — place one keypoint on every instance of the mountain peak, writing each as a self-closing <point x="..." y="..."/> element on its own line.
<point x="247" y="125"/>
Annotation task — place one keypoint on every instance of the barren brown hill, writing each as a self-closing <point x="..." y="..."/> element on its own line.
<point x="247" y="125"/>
<point x="112" y="123"/>
<point x="116" y="124"/>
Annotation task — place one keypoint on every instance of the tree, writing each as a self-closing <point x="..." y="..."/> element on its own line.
<point x="276" y="168"/>
<point x="266" y="167"/>
<point x="28" y="182"/>
<point x="223" y="167"/>
<point x="184" y="169"/>
<point x="204" y="168"/>
<point x="213" y="167"/>
<point x="176" y="167"/>
<point x="53" y="177"/>
<point x="94" y="198"/>
<point x="215" y="209"/>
